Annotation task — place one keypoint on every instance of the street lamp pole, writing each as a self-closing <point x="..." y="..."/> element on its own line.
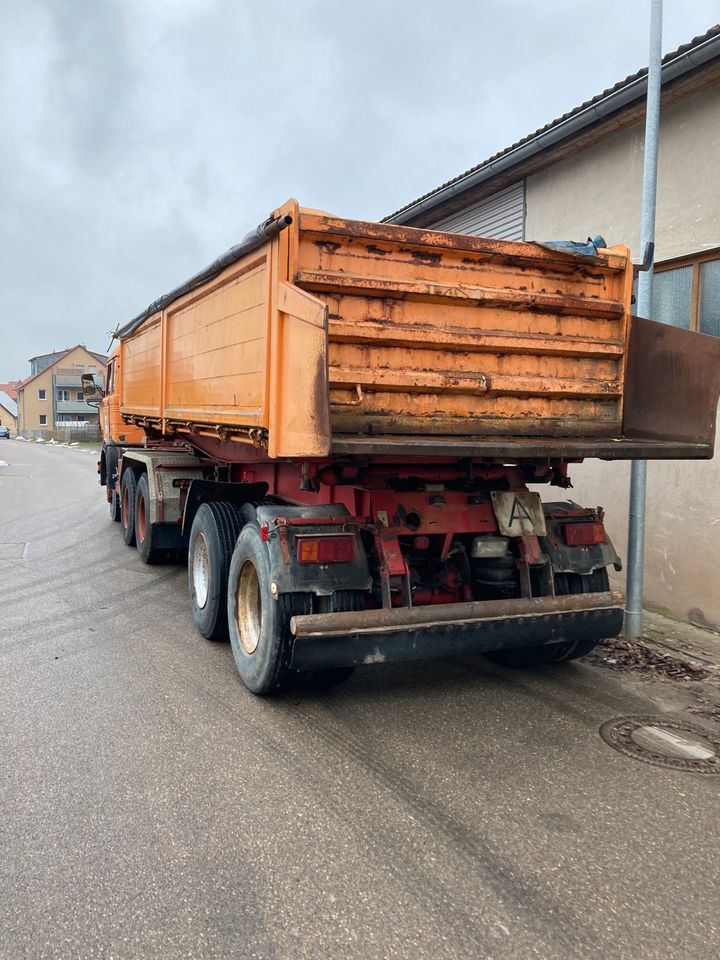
<point x="638" y="469"/>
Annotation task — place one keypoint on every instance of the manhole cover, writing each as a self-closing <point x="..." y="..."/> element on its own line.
<point x="664" y="742"/>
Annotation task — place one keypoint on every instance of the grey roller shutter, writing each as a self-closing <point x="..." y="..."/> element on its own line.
<point x="501" y="216"/>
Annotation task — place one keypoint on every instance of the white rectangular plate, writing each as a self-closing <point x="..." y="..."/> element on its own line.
<point x="519" y="514"/>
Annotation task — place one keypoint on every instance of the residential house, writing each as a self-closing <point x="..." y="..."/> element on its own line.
<point x="10" y="388"/>
<point x="8" y="412"/>
<point x="51" y="398"/>
<point x="579" y="176"/>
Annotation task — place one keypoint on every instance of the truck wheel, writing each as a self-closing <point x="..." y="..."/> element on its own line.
<point x="128" y="488"/>
<point x="326" y="679"/>
<point x="565" y="583"/>
<point x="108" y="476"/>
<point x="145" y="532"/>
<point x="260" y="624"/>
<point x="213" y="536"/>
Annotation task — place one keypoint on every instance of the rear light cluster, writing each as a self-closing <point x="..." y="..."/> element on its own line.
<point x="325" y="549"/>
<point x="583" y="534"/>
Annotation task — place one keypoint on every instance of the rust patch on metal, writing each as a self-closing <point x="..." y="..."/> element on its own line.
<point x="377" y="251"/>
<point x="328" y="246"/>
<point x="428" y="257"/>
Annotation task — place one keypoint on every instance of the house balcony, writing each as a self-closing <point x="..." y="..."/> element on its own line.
<point x="73" y="381"/>
<point x="76" y="406"/>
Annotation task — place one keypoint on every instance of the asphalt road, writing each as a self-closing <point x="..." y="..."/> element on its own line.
<point x="151" y="807"/>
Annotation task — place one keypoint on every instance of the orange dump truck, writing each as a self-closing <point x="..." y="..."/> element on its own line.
<point x="339" y="421"/>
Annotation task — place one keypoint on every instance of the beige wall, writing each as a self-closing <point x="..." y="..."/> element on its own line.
<point x="682" y="567"/>
<point x="30" y="407"/>
<point x="8" y="420"/>
<point x="598" y="191"/>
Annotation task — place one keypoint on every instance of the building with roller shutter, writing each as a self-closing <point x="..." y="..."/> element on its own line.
<point x="581" y="175"/>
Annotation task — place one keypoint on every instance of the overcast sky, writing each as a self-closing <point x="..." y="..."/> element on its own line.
<point x="140" y="138"/>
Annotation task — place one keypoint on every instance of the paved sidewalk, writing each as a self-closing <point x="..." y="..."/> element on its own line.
<point x="681" y="638"/>
<point x="668" y="649"/>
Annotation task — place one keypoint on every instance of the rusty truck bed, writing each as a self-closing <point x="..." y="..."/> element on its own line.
<point x="355" y="338"/>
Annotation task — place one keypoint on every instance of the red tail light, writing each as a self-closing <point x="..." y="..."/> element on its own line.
<point x="583" y="534"/>
<point x="325" y="549"/>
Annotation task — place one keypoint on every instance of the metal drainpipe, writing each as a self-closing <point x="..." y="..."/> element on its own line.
<point x="638" y="468"/>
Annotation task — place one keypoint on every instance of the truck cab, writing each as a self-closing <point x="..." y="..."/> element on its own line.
<point x="117" y="435"/>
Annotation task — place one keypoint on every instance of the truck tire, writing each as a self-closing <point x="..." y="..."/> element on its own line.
<point x="260" y="624"/>
<point x="213" y="536"/>
<point x="128" y="489"/>
<point x="565" y="583"/>
<point x="108" y="476"/>
<point x="145" y="532"/>
<point x="326" y="679"/>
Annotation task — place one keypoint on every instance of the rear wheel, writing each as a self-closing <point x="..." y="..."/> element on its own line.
<point x="145" y="531"/>
<point x="128" y="489"/>
<point x="114" y="505"/>
<point x="108" y="476"/>
<point x="565" y="583"/>
<point x="340" y="601"/>
<point x="260" y="624"/>
<point x="214" y="534"/>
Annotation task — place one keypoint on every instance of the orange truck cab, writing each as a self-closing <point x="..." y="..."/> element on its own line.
<point x="117" y="435"/>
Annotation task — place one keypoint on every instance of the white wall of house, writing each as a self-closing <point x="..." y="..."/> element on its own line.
<point x="682" y="569"/>
<point x="598" y="191"/>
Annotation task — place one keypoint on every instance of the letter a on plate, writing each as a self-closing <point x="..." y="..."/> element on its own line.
<point x="519" y="514"/>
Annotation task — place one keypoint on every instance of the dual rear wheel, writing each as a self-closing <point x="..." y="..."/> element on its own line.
<point x="137" y="530"/>
<point x="214" y="533"/>
<point x="230" y="595"/>
<point x="565" y="583"/>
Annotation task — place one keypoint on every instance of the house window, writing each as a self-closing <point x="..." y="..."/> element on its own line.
<point x="43" y="419"/>
<point x="672" y="296"/>
<point x="79" y="395"/>
<point x="686" y="293"/>
<point x="63" y="395"/>
<point x="42" y="395"/>
<point x="709" y="302"/>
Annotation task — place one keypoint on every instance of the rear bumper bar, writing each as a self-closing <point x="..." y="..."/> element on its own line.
<point x="451" y="630"/>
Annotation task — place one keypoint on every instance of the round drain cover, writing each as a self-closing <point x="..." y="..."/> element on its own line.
<point x="664" y="742"/>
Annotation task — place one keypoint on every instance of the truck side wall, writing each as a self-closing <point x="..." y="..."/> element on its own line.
<point x="242" y="356"/>
<point x="431" y="333"/>
<point x="345" y="327"/>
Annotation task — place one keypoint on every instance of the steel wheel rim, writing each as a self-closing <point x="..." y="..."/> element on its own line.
<point x="201" y="570"/>
<point x="125" y="506"/>
<point x="140" y="517"/>
<point x="248" y="608"/>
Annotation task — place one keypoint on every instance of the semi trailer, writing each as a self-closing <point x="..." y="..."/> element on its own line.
<point x="342" y="424"/>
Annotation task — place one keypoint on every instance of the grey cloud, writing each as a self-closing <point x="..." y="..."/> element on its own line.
<point x="141" y="139"/>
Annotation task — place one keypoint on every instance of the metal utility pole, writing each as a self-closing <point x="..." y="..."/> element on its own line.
<point x="638" y="470"/>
